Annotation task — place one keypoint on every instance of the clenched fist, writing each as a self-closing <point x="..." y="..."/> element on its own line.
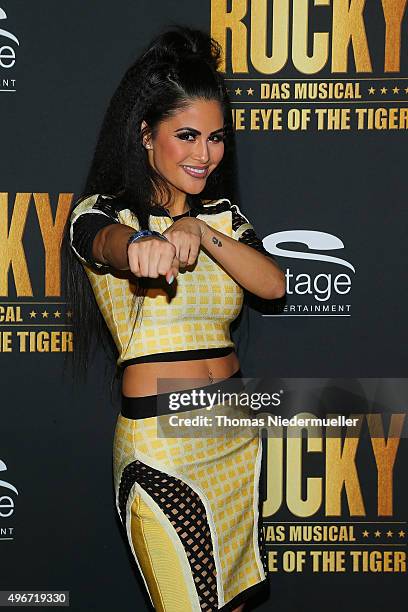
<point x="151" y="256"/>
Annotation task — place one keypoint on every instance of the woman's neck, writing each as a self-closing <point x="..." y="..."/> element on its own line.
<point x="178" y="205"/>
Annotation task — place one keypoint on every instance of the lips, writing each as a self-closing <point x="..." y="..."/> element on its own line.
<point x="199" y="173"/>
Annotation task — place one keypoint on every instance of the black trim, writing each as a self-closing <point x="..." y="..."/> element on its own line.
<point x="255" y="589"/>
<point x="188" y="355"/>
<point x="198" y="209"/>
<point x="250" y="238"/>
<point x="146" y="406"/>
<point x="118" y="203"/>
<point x="263" y="484"/>
<point x="160" y="211"/>
<point x="262" y="490"/>
<point x="84" y="231"/>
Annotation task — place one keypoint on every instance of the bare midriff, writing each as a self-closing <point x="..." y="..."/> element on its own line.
<point x="141" y="379"/>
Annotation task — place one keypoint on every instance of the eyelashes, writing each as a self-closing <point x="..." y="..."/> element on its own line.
<point x="184" y="136"/>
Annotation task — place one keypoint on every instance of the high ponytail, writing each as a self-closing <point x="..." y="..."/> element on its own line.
<point x="178" y="66"/>
<point x="182" y="43"/>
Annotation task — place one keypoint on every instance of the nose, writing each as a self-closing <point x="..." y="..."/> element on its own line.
<point x="201" y="151"/>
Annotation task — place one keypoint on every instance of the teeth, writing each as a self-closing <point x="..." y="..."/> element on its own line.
<point x="196" y="169"/>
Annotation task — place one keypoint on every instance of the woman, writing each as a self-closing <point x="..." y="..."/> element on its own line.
<point x="156" y="230"/>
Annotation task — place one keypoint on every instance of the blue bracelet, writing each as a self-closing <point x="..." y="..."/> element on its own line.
<point x="143" y="234"/>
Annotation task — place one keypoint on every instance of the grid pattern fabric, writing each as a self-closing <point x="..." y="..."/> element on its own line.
<point x="223" y="470"/>
<point x="186" y="512"/>
<point x="193" y="313"/>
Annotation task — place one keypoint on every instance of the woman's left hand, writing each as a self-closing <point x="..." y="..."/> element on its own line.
<point x="186" y="235"/>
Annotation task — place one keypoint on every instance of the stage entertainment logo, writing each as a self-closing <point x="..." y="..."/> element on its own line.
<point x="7" y="505"/>
<point x="8" y="44"/>
<point x="320" y="285"/>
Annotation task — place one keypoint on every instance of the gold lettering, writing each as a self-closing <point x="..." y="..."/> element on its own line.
<point x="280" y="36"/>
<point x="348" y="26"/>
<point x="341" y="470"/>
<point x="385" y="453"/>
<point x="295" y="503"/>
<point x="275" y="473"/>
<point x="302" y="61"/>
<point x="11" y="245"/>
<point x="238" y="117"/>
<point x="10" y="314"/>
<point x="220" y="21"/>
<point x="393" y="13"/>
<point x="52" y="237"/>
<point x="5" y="342"/>
<point x="45" y="342"/>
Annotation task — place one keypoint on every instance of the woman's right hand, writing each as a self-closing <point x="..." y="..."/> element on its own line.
<point x="151" y="257"/>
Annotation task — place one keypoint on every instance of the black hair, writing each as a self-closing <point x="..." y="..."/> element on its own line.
<point x="179" y="65"/>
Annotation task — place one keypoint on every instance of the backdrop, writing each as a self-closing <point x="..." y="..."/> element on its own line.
<point x="319" y="91"/>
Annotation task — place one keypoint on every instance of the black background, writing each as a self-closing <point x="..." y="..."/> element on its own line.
<point x="56" y="437"/>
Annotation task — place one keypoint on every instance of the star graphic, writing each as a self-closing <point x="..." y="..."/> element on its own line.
<point x="33" y="314"/>
<point x="250" y="91"/>
<point x="45" y="314"/>
<point x="396" y="90"/>
<point x="238" y="91"/>
<point x="401" y="533"/>
<point x="377" y="533"/>
<point x="384" y="90"/>
<point x="371" y="91"/>
<point x="69" y="314"/>
<point x="389" y="534"/>
<point x="406" y="90"/>
<point x="365" y="533"/>
<point x="57" y="314"/>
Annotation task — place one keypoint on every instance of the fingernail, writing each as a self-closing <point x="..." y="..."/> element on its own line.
<point x="171" y="279"/>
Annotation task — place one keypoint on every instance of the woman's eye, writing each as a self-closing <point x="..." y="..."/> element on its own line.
<point x="185" y="135"/>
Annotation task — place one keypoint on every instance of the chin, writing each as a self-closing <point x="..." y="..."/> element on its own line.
<point x="194" y="189"/>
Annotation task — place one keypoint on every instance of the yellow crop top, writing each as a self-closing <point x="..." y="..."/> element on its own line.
<point x="189" y="319"/>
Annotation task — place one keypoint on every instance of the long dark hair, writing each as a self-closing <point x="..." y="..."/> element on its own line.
<point x="178" y="66"/>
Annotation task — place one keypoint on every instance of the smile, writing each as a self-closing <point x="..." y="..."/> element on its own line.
<point x="196" y="172"/>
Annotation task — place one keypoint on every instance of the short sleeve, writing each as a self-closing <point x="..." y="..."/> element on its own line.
<point x="90" y="214"/>
<point x="243" y="230"/>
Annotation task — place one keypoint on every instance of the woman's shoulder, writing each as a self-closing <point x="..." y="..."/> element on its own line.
<point x="205" y="202"/>
<point x="216" y="206"/>
<point x="97" y="203"/>
<point x="238" y="218"/>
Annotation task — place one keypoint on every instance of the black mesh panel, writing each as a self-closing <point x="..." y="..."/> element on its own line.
<point x="186" y="512"/>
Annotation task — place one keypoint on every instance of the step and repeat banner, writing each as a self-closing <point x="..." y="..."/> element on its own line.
<point x="319" y="93"/>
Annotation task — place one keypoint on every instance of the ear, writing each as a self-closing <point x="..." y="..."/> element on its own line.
<point x="146" y="138"/>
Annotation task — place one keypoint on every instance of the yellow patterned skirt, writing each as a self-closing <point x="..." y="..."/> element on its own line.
<point x="191" y="507"/>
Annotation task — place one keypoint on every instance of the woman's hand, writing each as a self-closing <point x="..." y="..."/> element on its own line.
<point x="186" y="235"/>
<point x="151" y="257"/>
<point x="253" y="270"/>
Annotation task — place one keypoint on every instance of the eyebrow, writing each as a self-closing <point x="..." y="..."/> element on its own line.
<point x="199" y="133"/>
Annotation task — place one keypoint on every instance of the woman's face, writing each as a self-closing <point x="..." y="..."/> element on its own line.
<point x="188" y="146"/>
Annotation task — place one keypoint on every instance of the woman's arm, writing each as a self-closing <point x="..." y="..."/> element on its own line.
<point x="109" y="245"/>
<point x="100" y="241"/>
<point x="149" y="257"/>
<point x="251" y="269"/>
